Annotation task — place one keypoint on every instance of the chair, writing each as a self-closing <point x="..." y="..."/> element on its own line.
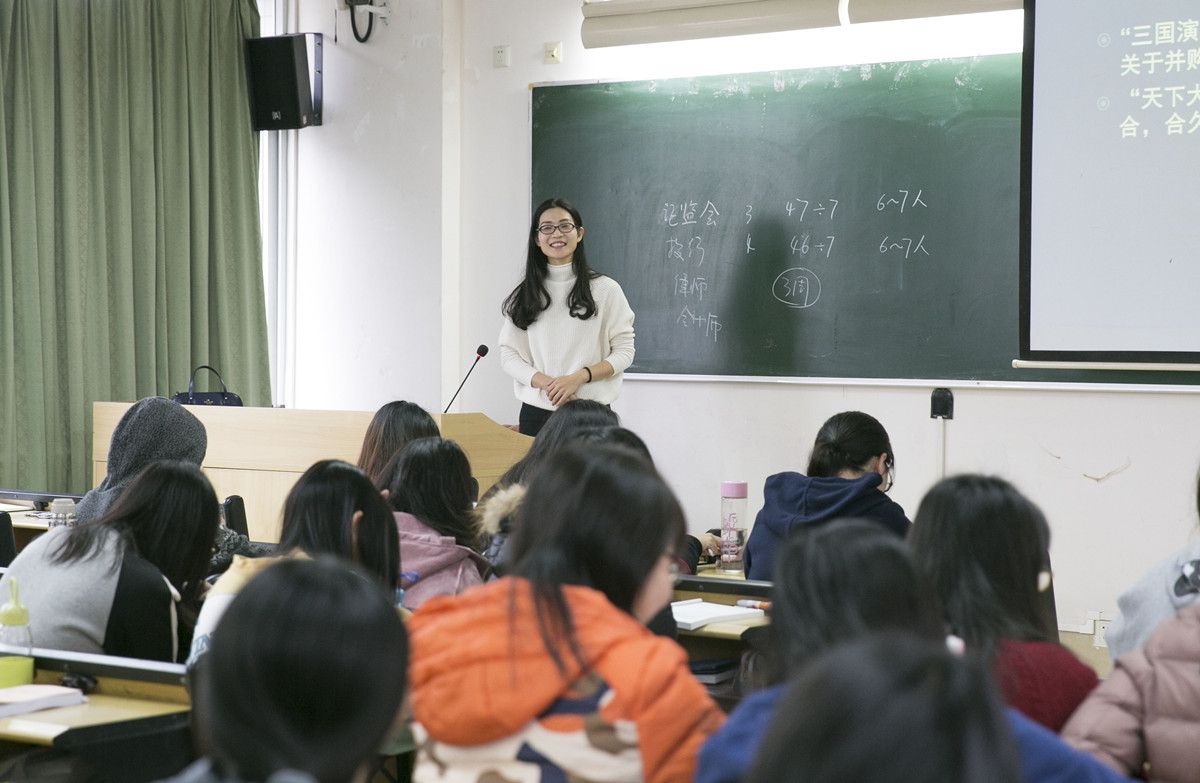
<point x="234" y="510"/>
<point x="8" y="541"/>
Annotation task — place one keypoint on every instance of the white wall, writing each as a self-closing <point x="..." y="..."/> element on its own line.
<point x="1048" y="442"/>
<point x="369" y="215"/>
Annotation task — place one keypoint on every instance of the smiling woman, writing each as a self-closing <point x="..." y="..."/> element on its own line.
<point x="568" y="330"/>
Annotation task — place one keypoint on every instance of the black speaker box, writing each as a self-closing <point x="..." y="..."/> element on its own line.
<point x="281" y="97"/>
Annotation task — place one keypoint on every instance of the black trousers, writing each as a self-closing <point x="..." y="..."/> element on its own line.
<point x="532" y="419"/>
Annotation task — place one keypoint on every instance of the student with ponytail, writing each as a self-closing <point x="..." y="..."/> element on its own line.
<point x="851" y="468"/>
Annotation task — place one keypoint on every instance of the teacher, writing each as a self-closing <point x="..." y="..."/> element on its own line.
<point x="568" y="330"/>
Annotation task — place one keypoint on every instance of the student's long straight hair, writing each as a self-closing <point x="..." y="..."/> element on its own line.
<point x="391" y="429"/>
<point x="307" y="674"/>
<point x="168" y="515"/>
<point x="564" y="424"/>
<point x="841" y="581"/>
<point x="598" y="517"/>
<point x="888" y="707"/>
<point x="530" y="297"/>
<point x="431" y="479"/>
<point x="982" y="544"/>
<point x="318" y="518"/>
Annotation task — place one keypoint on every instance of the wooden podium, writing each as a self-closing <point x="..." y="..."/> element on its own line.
<point x="259" y="453"/>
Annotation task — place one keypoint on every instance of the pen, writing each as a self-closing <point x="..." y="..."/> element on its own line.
<point x="754" y="604"/>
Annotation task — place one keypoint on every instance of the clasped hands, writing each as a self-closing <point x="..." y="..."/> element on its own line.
<point x="562" y="388"/>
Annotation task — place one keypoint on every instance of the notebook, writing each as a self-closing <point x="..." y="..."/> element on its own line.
<point x="696" y="612"/>
<point x="21" y="699"/>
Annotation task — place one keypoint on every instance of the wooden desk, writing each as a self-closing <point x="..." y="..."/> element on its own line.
<point x="719" y="640"/>
<point x="259" y="453"/>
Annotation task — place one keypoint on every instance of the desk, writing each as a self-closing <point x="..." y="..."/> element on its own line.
<point x="27" y="526"/>
<point x="719" y="640"/>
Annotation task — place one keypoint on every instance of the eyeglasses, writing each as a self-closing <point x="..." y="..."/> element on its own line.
<point x="548" y="229"/>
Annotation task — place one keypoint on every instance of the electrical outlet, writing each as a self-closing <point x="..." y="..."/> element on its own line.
<point x="1098" y="640"/>
<point x="552" y="53"/>
<point x="501" y="56"/>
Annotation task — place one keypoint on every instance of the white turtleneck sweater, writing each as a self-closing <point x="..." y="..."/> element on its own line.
<point x="557" y="344"/>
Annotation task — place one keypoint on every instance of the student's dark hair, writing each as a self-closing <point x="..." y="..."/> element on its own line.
<point x="168" y="514"/>
<point x="841" y="581"/>
<point x="530" y="297"/>
<point x="307" y="674"/>
<point x="981" y="544"/>
<point x="847" y="441"/>
<point x="598" y="517"/>
<point x="884" y="708"/>
<point x="318" y="519"/>
<point x="430" y="478"/>
<point x="614" y="435"/>
<point x="392" y="427"/>
<point x="560" y="429"/>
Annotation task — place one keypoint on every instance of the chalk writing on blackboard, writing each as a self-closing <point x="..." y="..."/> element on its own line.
<point x="797" y="287"/>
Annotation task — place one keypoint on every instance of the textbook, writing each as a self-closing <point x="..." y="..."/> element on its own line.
<point x="696" y="612"/>
<point x="714" y="671"/>
<point x="21" y="699"/>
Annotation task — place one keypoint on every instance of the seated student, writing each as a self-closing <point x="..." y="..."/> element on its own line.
<point x="332" y="510"/>
<point x="984" y="547"/>
<point x="115" y="586"/>
<point x="1168" y="587"/>
<point x="1144" y="719"/>
<point x="838" y="583"/>
<point x="305" y="681"/>
<point x="885" y="708"/>
<point x="153" y="429"/>
<point x="392" y="428"/>
<point x="429" y="487"/>
<point x="499" y="503"/>
<point x="851" y="467"/>
<point x="550" y="673"/>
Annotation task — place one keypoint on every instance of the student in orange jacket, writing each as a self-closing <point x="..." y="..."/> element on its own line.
<point x="550" y="673"/>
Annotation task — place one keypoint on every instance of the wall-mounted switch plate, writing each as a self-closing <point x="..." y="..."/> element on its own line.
<point x="501" y="56"/>
<point x="552" y="54"/>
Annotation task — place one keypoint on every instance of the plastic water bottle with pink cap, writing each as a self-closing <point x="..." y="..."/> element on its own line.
<point x="733" y="526"/>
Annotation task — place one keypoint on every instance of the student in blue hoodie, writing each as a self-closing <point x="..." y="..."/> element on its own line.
<point x="851" y="467"/>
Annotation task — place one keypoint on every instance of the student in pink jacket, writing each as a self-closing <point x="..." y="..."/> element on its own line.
<point x="430" y="488"/>
<point x="1145" y="718"/>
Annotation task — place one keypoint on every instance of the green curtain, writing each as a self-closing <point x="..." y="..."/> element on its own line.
<point x="129" y="239"/>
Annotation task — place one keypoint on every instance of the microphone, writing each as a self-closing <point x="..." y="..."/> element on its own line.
<point x="480" y="352"/>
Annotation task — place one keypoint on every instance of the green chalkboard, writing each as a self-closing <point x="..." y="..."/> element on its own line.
<point x="852" y="222"/>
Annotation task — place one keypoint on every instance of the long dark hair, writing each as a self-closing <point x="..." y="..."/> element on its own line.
<point x="841" y="581"/>
<point x="981" y="543"/>
<point x="431" y="479"/>
<point x="530" y="297"/>
<point x="308" y="674"/>
<point x="564" y="424"/>
<point x="318" y="519"/>
<point x="847" y="441"/>
<point x="393" y="426"/>
<point x="888" y="707"/>
<point x="168" y="514"/>
<point x="595" y="516"/>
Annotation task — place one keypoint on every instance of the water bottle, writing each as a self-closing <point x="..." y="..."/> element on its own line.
<point x="62" y="513"/>
<point x="16" y="657"/>
<point x="733" y="525"/>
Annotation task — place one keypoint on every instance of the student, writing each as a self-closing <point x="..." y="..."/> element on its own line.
<point x="153" y="429"/>
<point x="568" y="330"/>
<point x="1145" y="718"/>
<point x="333" y="509"/>
<point x="304" y="682"/>
<point x="1168" y="587"/>
<point x="886" y="708"/>
<point x="115" y="585"/>
<point x="431" y="491"/>
<point x="984" y="547"/>
<point x="550" y="673"/>
<point x="835" y="584"/>
<point x="851" y="467"/>
<point x="391" y="429"/>
<point x="500" y="502"/>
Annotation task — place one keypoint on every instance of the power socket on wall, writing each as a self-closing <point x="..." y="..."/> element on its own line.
<point x="501" y="56"/>
<point x="1098" y="636"/>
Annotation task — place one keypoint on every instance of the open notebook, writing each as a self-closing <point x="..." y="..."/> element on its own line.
<point x="696" y="612"/>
